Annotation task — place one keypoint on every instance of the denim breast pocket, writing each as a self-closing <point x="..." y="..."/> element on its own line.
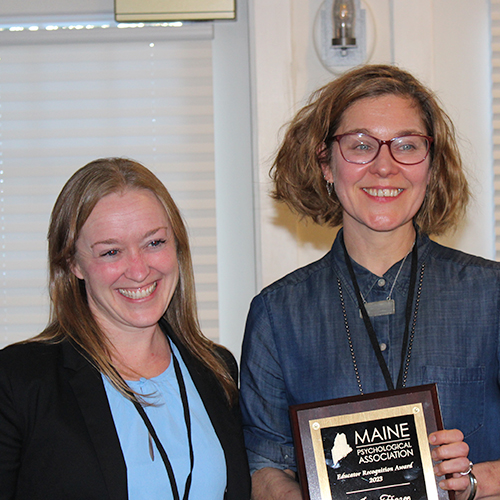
<point x="461" y="394"/>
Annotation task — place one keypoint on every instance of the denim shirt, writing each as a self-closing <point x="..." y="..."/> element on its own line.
<point x="296" y="348"/>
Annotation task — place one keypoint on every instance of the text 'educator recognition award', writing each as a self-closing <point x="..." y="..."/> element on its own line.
<point x="371" y="447"/>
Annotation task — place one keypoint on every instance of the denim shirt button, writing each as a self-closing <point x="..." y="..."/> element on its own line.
<point x="383" y="346"/>
<point x="381" y="282"/>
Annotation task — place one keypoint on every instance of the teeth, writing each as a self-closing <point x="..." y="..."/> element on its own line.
<point x="138" y="294"/>
<point x="383" y="193"/>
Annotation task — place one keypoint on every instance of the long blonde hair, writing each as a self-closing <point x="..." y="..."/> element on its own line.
<point x="71" y="317"/>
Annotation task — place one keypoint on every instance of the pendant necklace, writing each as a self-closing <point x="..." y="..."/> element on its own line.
<point x="383" y="307"/>
<point x="407" y="337"/>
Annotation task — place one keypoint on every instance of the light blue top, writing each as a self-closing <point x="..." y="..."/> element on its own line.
<point x="296" y="349"/>
<point x="148" y="479"/>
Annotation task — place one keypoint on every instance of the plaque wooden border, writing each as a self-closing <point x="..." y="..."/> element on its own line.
<point x="309" y="419"/>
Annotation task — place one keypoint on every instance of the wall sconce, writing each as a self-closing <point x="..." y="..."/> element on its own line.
<point x="344" y="22"/>
<point x="340" y="34"/>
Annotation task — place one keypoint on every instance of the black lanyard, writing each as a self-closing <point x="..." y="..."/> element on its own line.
<point x="368" y="323"/>
<point x="187" y="419"/>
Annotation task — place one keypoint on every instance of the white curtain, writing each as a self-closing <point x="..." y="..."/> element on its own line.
<point x="70" y="96"/>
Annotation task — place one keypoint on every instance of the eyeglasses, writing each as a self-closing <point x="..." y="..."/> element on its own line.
<point x="363" y="148"/>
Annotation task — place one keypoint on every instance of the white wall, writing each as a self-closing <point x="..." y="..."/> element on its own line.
<point x="443" y="42"/>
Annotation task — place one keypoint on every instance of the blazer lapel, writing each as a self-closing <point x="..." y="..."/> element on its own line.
<point x="203" y="379"/>
<point x="210" y="393"/>
<point x="89" y="390"/>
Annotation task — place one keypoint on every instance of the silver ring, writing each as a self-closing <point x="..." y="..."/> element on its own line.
<point x="469" y="470"/>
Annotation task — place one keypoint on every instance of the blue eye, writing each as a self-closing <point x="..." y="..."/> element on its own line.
<point x="407" y="147"/>
<point x="110" y="253"/>
<point x="157" y="243"/>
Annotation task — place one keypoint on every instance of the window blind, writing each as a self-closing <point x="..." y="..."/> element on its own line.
<point x="495" y="54"/>
<point x="71" y="97"/>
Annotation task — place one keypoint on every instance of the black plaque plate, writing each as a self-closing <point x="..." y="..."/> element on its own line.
<point x="372" y="447"/>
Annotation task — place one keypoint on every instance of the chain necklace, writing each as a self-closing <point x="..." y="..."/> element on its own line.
<point x="407" y="341"/>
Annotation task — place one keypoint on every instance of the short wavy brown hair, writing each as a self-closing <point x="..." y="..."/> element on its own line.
<point x="297" y="173"/>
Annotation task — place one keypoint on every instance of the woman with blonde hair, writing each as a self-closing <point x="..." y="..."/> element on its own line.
<point x="387" y="307"/>
<point x="121" y="396"/>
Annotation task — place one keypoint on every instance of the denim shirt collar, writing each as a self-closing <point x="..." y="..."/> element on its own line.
<point x="369" y="282"/>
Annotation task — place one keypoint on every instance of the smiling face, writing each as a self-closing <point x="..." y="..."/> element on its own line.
<point x="126" y="255"/>
<point x="383" y="195"/>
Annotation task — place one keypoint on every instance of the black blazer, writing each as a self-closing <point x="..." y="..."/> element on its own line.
<point x="57" y="436"/>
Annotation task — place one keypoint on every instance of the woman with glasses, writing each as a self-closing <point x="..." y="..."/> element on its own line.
<point x="387" y="307"/>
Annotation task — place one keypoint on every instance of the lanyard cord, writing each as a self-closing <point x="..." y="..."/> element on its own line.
<point x="368" y="324"/>
<point x="161" y="449"/>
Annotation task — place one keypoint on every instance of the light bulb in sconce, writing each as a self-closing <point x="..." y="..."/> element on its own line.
<point x="340" y="34"/>
<point x="344" y="17"/>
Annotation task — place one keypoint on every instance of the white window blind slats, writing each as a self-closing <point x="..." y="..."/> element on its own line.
<point x="65" y="104"/>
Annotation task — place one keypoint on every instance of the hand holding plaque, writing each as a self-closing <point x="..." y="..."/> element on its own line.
<point x="372" y="447"/>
